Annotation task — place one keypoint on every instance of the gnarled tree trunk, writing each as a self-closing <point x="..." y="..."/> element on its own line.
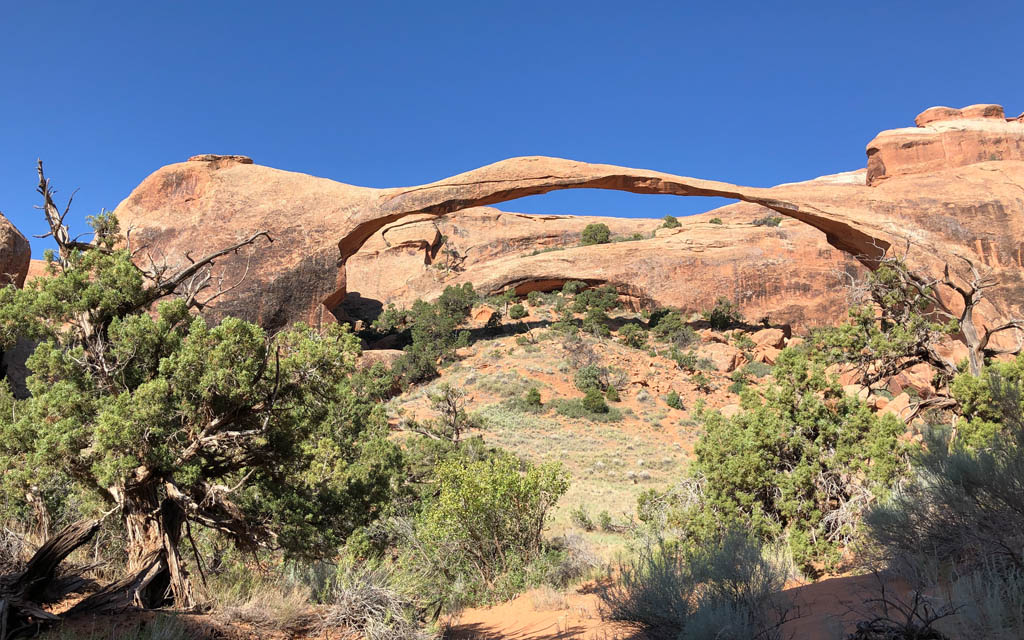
<point x="154" y="527"/>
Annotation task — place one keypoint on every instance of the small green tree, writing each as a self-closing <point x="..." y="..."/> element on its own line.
<point x="593" y="401"/>
<point x="715" y="221"/>
<point x="673" y="400"/>
<point x="488" y="517"/>
<point x="517" y="312"/>
<point x="723" y="315"/>
<point x="633" y="335"/>
<point x="171" y="422"/>
<point x="807" y="460"/>
<point x="532" y="398"/>
<point x="612" y="395"/>
<point x="595" y="233"/>
<point x="670" y="222"/>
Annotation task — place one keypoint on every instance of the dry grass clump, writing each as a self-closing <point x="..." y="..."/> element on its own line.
<point x="263" y="603"/>
<point x="364" y="600"/>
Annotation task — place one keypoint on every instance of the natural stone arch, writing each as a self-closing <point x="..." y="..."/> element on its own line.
<point x="533" y="175"/>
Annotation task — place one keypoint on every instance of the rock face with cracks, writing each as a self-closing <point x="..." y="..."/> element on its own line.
<point x="932" y="216"/>
<point x="15" y="254"/>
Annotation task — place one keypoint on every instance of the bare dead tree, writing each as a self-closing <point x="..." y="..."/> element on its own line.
<point x="909" y="300"/>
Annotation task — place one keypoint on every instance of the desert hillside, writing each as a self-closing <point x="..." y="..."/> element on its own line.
<point x="259" y="403"/>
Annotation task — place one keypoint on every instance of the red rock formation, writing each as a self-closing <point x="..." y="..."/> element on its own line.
<point x="945" y="138"/>
<point x="14" y="254"/>
<point x="956" y="207"/>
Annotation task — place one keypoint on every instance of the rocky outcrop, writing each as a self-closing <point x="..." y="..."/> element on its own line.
<point x="15" y="254"/>
<point x="959" y="209"/>
<point x="944" y="138"/>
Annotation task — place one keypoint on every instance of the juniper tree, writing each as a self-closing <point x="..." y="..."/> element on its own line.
<point x="270" y="440"/>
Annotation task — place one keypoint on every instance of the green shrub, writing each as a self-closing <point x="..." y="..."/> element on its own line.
<point x="728" y="589"/>
<point x="965" y="503"/>
<point x="767" y="221"/>
<point x="574" y="408"/>
<point x="485" y="526"/>
<point x="633" y="335"/>
<point x="532" y="398"/>
<point x="670" y="327"/>
<point x="805" y="461"/>
<point x="535" y="299"/>
<point x="757" y="369"/>
<point x="580" y="517"/>
<point x="590" y="377"/>
<point x="595" y="233"/>
<point x="702" y="382"/>
<point x="572" y="287"/>
<point x="593" y="401"/>
<point x="595" y="322"/>
<point x="687" y="360"/>
<point x="612" y="395"/>
<point x="723" y="315"/>
<point x="739" y="381"/>
<point x="715" y="221"/>
<point x="673" y="400"/>
<point x="670" y="222"/>
<point x="517" y="312"/>
<point x="604" y="521"/>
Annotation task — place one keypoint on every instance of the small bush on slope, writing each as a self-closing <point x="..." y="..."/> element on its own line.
<point x="802" y="462"/>
<point x="726" y="590"/>
<point x="961" y="519"/>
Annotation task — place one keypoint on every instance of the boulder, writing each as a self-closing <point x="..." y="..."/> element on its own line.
<point x="899" y="406"/>
<point x="15" y="254"/>
<point x="774" y="338"/>
<point x="726" y="357"/>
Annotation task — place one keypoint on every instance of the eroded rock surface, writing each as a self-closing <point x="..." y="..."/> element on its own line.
<point x="932" y="216"/>
<point x="15" y="254"/>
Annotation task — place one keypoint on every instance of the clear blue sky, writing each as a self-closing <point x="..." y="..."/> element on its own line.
<point x="398" y="93"/>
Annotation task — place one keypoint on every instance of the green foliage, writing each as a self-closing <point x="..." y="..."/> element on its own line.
<point x="572" y="287"/>
<point x="517" y="312"/>
<point x="589" y="377"/>
<point x="593" y="401"/>
<point x="743" y="342"/>
<point x="959" y="521"/>
<point x="767" y="221"/>
<point x="981" y="405"/>
<point x="604" y="521"/>
<point x="580" y="517"/>
<point x="574" y="408"/>
<point x="804" y="460"/>
<point x="715" y="221"/>
<point x="595" y="322"/>
<point x="673" y="400"/>
<point x="757" y="369"/>
<point x="633" y="335"/>
<point x="612" y="395"/>
<point x="882" y="346"/>
<point x="702" y="382"/>
<point x="670" y="327"/>
<point x="486" y="523"/>
<point x="687" y="360"/>
<point x="532" y="398"/>
<point x="727" y="589"/>
<point x="670" y="222"/>
<point x="535" y="299"/>
<point x="433" y="329"/>
<point x="595" y="233"/>
<point x="723" y="315"/>
<point x="168" y="398"/>
<point x="739" y="381"/>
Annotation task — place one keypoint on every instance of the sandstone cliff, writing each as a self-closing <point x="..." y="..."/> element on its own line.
<point x="968" y="205"/>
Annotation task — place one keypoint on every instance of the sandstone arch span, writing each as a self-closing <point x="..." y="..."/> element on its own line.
<point x="319" y="224"/>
